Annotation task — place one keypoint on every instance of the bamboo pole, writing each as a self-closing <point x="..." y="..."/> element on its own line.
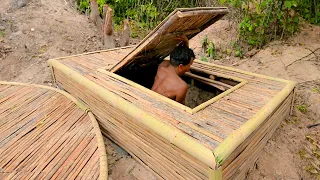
<point x="216" y="98"/>
<point x="243" y="72"/>
<point x="238" y="136"/>
<point x="101" y="148"/>
<point x="215" y="174"/>
<point x="227" y="86"/>
<point x="166" y="131"/>
<point x="217" y="74"/>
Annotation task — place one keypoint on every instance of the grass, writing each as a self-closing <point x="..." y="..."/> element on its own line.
<point x="311" y="169"/>
<point x="316" y="90"/>
<point x="302" y="153"/>
<point x="3" y="34"/>
<point x="302" y="108"/>
<point x="203" y="58"/>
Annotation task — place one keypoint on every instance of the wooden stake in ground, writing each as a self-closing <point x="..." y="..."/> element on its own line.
<point x="108" y="38"/>
<point x="124" y="40"/>
<point x="94" y="11"/>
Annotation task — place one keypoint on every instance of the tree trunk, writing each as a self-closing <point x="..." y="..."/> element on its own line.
<point x="124" y="39"/>
<point x="107" y="29"/>
<point x="94" y="11"/>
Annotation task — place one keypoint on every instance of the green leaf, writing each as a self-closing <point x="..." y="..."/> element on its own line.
<point x="263" y="4"/>
<point x="251" y="41"/>
<point x="222" y="1"/>
<point x="287" y="4"/>
<point x="294" y="3"/>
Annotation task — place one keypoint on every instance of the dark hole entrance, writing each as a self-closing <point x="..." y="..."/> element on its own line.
<point x="202" y="86"/>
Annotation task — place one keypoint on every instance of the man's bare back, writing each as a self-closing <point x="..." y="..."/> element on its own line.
<point x="169" y="84"/>
<point x="168" y="81"/>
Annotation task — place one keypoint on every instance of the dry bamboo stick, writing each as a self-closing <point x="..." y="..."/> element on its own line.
<point x="244" y="72"/>
<point x="225" y="72"/>
<point x="227" y="86"/>
<point x="205" y="104"/>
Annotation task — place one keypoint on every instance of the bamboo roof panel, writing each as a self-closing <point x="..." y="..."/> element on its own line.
<point x="44" y="134"/>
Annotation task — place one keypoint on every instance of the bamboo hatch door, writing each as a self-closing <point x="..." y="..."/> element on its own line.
<point x="180" y="25"/>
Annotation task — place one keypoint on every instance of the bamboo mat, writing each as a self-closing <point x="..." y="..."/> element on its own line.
<point x="178" y="27"/>
<point x="45" y="135"/>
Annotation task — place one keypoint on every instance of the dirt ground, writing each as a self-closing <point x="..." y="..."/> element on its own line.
<point x="33" y="31"/>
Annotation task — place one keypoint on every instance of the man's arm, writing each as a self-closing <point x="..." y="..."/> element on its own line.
<point x="181" y="94"/>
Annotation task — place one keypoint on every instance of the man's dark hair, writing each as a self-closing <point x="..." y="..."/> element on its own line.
<point x="181" y="55"/>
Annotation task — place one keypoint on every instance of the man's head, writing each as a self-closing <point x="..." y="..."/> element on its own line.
<point x="182" y="58"/>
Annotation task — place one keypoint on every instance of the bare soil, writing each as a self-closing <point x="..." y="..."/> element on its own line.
<point x="33" y="31"/>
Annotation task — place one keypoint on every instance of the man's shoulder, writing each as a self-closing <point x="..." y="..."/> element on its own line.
<point x="164" y="64"/>
<point x="181" y="84"/>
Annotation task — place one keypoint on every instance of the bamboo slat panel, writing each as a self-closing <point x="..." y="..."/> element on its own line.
<point x="45" y="135"/>
<point x="180" y="25"/>
<point x="208" y="127"/>
<point x="88" y="62"/>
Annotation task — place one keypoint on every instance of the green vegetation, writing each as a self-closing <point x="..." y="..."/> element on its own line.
<point x="209" y="49"/>
<point x="316" y="90"/>
<point x="203" y="58"/>
<point x="259" y="21"/>
<point x="3" y="34"/>
<point x="302" y="108"/>
<point x="265" y="20"/>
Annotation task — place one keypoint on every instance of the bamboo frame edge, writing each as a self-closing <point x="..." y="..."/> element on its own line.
<point x="215" y="174"/>
<point x="237" y="137"/>
<point x="101" y="147"/>
<point x="93" y="52"/>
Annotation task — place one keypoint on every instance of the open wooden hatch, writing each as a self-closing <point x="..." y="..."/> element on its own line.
<point x="140" y="65"/>
<point x="218" y="137"/>
<point x="48" y="134"/>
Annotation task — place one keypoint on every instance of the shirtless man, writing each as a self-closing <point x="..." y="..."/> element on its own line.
<point x="168" y="81"/>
